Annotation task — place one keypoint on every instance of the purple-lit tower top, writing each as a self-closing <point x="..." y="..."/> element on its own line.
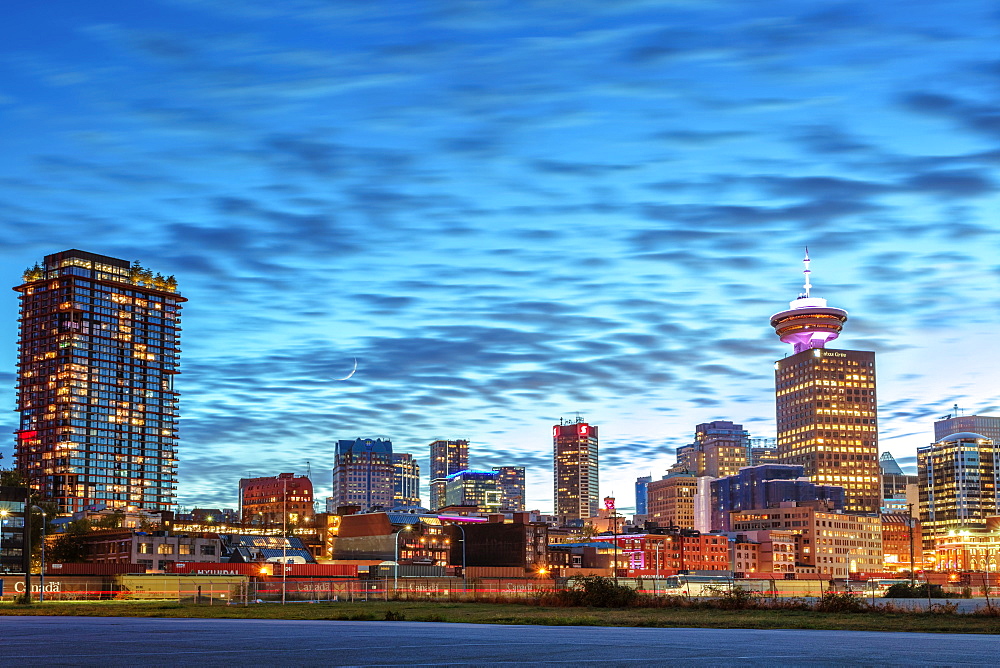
<point x="809" y="322"/>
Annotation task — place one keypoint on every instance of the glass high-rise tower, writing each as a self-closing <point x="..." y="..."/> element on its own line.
<point x="98" y="352"/>
<point x="447" y="457"/>
<point x="574" y="449"/>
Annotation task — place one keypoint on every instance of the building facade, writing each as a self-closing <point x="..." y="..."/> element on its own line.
<point x="13" y="556"/>
<point x="575" y="470"/>
<point x="766" y="486"/>
<point x="98" y="352"/>
<point x="958" y="478"/>
<point x="474" y="488"/>
<point x="511" y="481"/>
<point x="275" y="501"/>
<point x="406" y="481"/>
<point x="672" y="500"/>
<point x="834" y="544"/>
<point x="985" y="425"/>
<point x="447" y="457"/>
<point x="363" y="474"/>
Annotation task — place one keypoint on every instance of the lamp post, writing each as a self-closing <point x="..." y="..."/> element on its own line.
<point x="3" y="523"/>
<point x="27" y="552"/>
<point x="909" y="507"/>
<point x="395" y="561"/>
<point x="465" y="578"/>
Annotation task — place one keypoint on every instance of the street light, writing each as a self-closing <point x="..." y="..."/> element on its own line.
<point x="465" y="579"/>
<point x="3" y="521"/>
<point x="395" y="570"/>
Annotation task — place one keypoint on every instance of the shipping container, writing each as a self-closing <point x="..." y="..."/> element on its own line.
<point x="96" y="568"/>
<point x="210" y="588"/>
<point x="266" y="569"/>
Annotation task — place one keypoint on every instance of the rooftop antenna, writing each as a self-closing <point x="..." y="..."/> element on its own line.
<point x="309" y="471"/>
<point x="806" y="272"/>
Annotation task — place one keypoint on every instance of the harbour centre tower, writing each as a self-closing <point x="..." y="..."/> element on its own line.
<point x="98" y="351"/>
<point x="826" y="402"/>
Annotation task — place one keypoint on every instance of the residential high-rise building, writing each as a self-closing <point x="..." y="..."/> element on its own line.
<point x="826" y="403"/>
<point x="275" y="501"/>
<point x="98" y="352"/>
<point x="958" y="479"/>
<point x="575" y="470"/>
<point x="642" y="494"/>
<point x="406" y="480"/>
<point x="985" y="425"/>
<point x="447" y="457"/>
<point x="363" y="474"/>
<point x="474" y="488"/>
<point x="511" y="481"/>
<point x="726" y="446"/>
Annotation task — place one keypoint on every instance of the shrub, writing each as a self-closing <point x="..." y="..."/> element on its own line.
<point x="735" y="598"/>
<point x="841" y="601"/>
<point x="904" y="590"/>
<point x="391" y="616"/>
<point x="599" y="592"/>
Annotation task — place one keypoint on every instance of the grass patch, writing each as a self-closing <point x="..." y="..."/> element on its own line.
<point x="498" y="613"/>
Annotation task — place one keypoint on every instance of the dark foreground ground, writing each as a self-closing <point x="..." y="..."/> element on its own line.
<point x="123" y="641"/>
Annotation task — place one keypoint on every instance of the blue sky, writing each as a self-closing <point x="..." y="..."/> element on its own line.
<point x="511" y="212"/>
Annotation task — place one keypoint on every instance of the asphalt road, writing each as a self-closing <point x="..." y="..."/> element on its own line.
<point x="119" y="641"/>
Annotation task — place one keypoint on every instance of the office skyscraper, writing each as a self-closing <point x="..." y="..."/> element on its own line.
<point x="511" y="481"/>
<point x="957" y="480"/>
<point x="406" y="480"/>
<point x="576" y="494"/>
<point x="363" y="474"/>
<point x="98" y="352"/>
<point x="826" y="403"/>
<point x="474" y="488"/>
<point x="447" y="457"/>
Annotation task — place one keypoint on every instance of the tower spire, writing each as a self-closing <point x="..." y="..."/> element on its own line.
<point x="806" y="272"/>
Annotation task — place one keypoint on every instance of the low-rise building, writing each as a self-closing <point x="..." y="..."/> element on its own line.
<point x="828" y="543"/>
<point x="153" y="550"/>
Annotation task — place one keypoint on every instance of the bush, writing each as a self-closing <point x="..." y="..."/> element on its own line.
<point x="735" y="598"/>
<point x="904" y="590"/>
<point x="841" y="601"/>
<point x="599" y="592"/>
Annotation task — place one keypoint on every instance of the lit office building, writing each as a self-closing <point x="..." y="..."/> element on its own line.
<point x="671" y="501"/>
<point x="447" y="457"/>
<point x="98" y="352"/>
<point x="575" y="470"/>
<point x="511" y="481"/>
<point x="406" y="481"/>
<point x="958" y="478"/>
<point x="826" y="403"/>
<point x="363" y="474"/>
<point x="474" y="488"/>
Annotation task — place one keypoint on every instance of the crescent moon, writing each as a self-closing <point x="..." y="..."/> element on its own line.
<point x="352" y="370"/>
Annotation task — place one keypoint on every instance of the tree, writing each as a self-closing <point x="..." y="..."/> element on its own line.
<point x="71" y="545"/>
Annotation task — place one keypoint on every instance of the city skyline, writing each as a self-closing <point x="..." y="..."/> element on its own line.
<point x="510" y="214"/>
